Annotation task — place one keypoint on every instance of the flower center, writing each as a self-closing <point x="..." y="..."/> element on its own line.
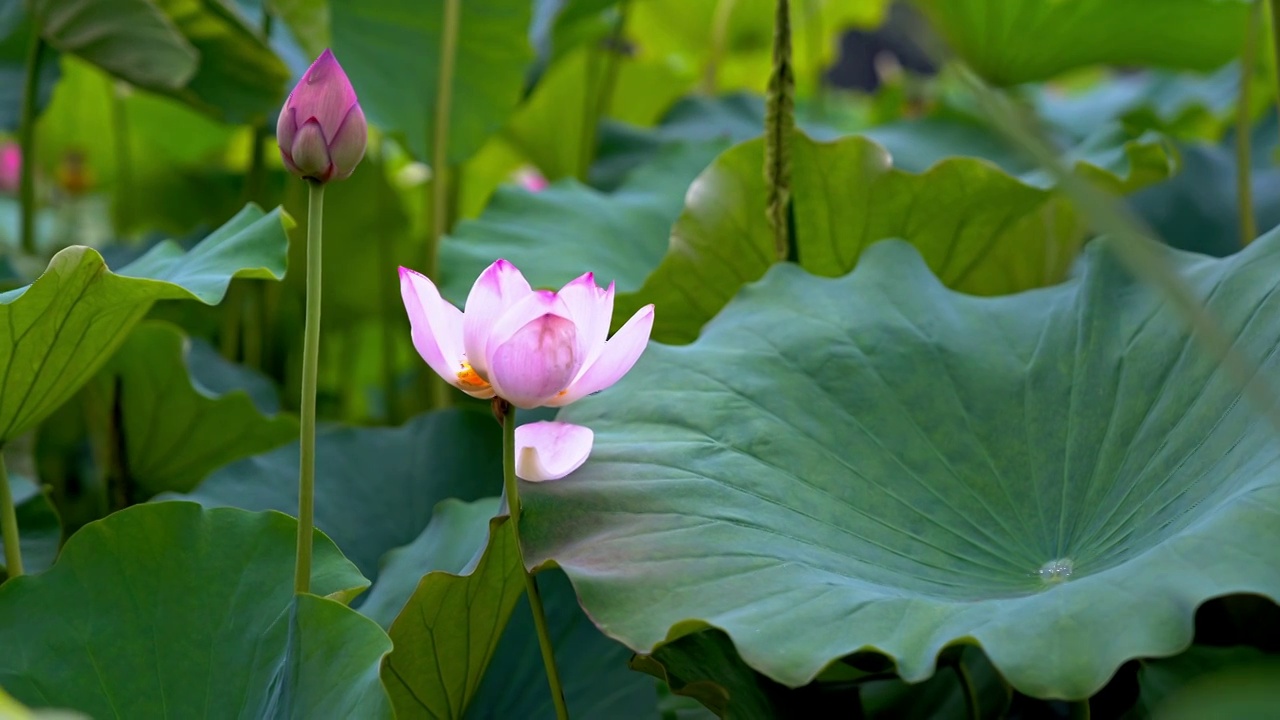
<point x="469" y="377"/>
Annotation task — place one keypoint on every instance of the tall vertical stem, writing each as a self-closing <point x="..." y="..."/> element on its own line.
<point x="1244" y="115"/>
<point x="530" y="583"/>
<point x="9" y="524"/>
<point x="719" y="43"/>
<point x="27" y="141"/>
<point x="440" y="141"/>
<point x="597" y="104"/>
<point x="310" y="365"/>
<point x="1275" y="41"/>
<point x="779" y="125"/>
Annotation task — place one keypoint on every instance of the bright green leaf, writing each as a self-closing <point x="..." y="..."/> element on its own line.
<point x="174" y="433"/>
<point x="11" y="709"/>
<point x="131" y="39"/>
<point x="172" y="611"/>
<point x="567" y="229"/>
<point x="446" y="635"/>
<point x="391" y="51"/>
<point x="880" y="462"/>
<point x="61" y="328"/>
<point x="376" y="488"/>
<point x="457" y="532"/>
<point x="1016" y="41"/>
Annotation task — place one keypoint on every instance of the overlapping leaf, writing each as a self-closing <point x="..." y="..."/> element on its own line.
<point x="171" y="432"/>
<point x="1017" y="41"/>
<point x="60" y="329"/>
<point x="879" y="462"/>
<point x="168" y="610"/>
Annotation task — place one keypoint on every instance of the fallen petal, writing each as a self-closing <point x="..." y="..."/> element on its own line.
<point x="550" y="450"/>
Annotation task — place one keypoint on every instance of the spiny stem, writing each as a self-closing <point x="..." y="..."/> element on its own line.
<point x="508" y="416"/>
<point x="1244" y="187"/>
<point x="310" y="365"/>
<point x="27" y="141"/>
<point x="9" y="525"/>
<point x="779" y="124"/>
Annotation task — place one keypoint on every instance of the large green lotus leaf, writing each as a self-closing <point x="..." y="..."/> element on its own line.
<point x="981" y="230"/>
<point x="40" y="528"/>
<point x="173" y="611"/>
<point x="567" y="229"/>
<point x="172" y="432"/>
<point x="131" y="39"/>
<point x="376" y="488"/>
<point x="199" y="51"/>
<point x="61" y="328"/>
<point x="880" y="462"/>
<point x="391" y="51"/>
<point x="1017" y="41"/>
<point x="457" y="532"/>
<point x="448" y="631"/>
<point x="593" y="668"/>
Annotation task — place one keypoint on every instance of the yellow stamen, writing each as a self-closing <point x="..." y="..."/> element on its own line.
<point x="470" y="378"/>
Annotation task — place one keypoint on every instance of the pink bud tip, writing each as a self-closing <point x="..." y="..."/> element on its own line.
<point x="322" y="130"/>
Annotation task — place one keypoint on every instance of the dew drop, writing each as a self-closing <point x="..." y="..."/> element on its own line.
<point x="1056" y="571"/>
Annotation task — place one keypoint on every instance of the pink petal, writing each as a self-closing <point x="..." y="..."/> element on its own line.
<point x="309" y="152"/>
<point x="346" y="148"/>
<point x="499" y="287"/>
<point x="323" y="93"/>
<point x="436" y="327"/>
<point x="551" y="450"/>
<point x="591" y="309"/>
<point x="539" y="361"/>
<point x="286" y="128"/>
<point x="620" y="354"/>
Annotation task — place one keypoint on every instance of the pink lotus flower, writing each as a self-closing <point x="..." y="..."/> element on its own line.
<point x="322" y="131"/>
<point x="532" y="348"/>
<point x="10" y="167"/>
<point x="532" y="180"/>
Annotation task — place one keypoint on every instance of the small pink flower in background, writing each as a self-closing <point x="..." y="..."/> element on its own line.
<point x="530" y="179"/>
<point x="10" y="167"/>
<point x="532" y="348"/>
<point x="550" y="450"/>
<point x="322" y="130"/>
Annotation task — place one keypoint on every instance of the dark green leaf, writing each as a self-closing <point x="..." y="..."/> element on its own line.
<point x="593" y="668"/>
<point x="15" y="39"/>
<point x="62" y="327"/>
<point x="880" y="462"/>
<point x="376" y="488"/>
<point x="446" y="635"/>
<point x="169" y="610"/>
<point x="173" y="432"/>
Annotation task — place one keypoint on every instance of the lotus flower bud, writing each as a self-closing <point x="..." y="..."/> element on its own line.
<point x="322" y="131"/>
<point x="10" y="167"/>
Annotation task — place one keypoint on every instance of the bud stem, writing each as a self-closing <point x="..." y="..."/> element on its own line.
<point x="310" y="363"/>
<point x="508" y="414"/>
<point x="9" y="525"/>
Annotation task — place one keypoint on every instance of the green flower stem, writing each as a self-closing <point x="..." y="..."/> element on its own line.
<point x="310" y="363"/>
<point x="1244" y="188"/>
<point x="530" y="583"/>
<point x="9" y="525"/>
<point x="27" y="142"/>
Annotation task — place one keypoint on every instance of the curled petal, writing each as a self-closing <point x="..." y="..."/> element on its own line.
<point x="499" y="287"/>
<point x="537" y="362"/>
<point x="591" y="308"/>
<point x="620" y="353"/>
<point x="550" y="450"/>
<point x="437" y="329"/>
